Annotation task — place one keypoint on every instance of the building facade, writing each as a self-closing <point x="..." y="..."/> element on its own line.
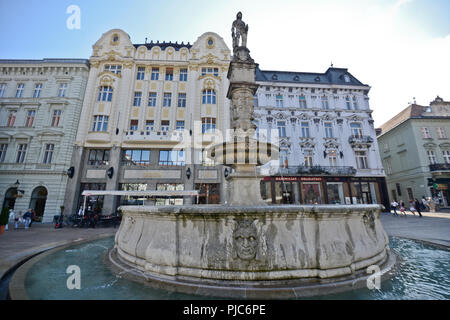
<point x="40" y="105"/>
<point x="328" y="147"/>
<point x="150" y="111"/>
<point x="415" y="150"/>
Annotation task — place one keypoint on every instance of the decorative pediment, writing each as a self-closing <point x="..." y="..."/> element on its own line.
<point x="444" y="145"/>
<point x="210" y="58"/>
<point x="327" y="117"/>
<point x="307" y="143"/>
<point x="429" y="145"/>
<point x="331" y="143"/>
<point x="354" y="117"/>
<point x="280" y="116"/>
<point x="284" y="143"/>
<point x="49" y="132"/>
<point x="107" y="79"/>
<point x="209" y="84"/>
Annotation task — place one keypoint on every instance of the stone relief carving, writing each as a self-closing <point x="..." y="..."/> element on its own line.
<point x="243" y="110"/>
<point x="245" y="240"/>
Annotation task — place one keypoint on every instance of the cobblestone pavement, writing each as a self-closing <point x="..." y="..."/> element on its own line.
<point x="432" y="227"/>
<point x="16" y="245"/>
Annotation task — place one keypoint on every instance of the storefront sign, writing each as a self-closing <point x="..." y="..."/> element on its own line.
<point x="286" y="178"/>
<point x="310" y="179"/>
<point x="442" y="187"/>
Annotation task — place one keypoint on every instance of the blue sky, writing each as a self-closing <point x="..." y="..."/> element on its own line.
<point x="399" y="47"/>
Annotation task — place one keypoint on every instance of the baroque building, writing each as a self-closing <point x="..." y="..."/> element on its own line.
<point x="415" y="150"/>
<point x="328" y="147"/>
<point x="149" y="112"/>
<point x="40" y="104"/>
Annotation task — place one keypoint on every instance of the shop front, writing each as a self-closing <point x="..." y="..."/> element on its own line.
<point x="324" y="190"/>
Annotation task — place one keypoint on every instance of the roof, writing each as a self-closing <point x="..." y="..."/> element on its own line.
<point x="412" y="110"/>
<point x="45" y="60"/>
<point x="331" y="76"/>
<point x="163" y="45"/>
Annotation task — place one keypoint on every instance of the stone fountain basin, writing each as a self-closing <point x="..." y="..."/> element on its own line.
<point x="240" y="244"/>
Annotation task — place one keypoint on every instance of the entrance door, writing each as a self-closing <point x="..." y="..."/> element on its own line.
<point x="38" y="200"/>
<point x="10" y="198"/>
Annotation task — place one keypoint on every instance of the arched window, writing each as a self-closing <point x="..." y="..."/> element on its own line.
<point x="10" y="198"/>
<point x="209" y="96"/>
<point x="105" y="93"/>
<point x="38" y="199"/>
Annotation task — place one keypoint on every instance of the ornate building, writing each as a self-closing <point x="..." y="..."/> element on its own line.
<point x="149" y="112"/>
<point x="40" y="104"/>
<point x="328" y="146"/>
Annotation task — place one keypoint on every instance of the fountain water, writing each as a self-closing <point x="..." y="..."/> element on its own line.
<point x="247" y="248"/>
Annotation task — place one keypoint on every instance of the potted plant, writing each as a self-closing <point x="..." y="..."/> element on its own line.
<point x="4" y="218"/>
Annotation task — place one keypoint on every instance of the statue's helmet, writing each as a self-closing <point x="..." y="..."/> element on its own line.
<point x="239" y="15"/>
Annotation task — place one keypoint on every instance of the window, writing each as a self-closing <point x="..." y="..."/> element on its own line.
<point x="167" y="100"/>
<point x="213" y="71"/>
<point x="62" y="90"/>
<point x="446" y="155"/>
<point x="302" y="101"/>
<point x="105" y="93"/>
<point x="209" y="96"/>
<point x="308" y="156"/>
<point x="48" y="154"/>
<point x="388" y="166"/>
<point x="204" y="159"/>
<point x="30" y="118"/>
<point x="137" y="157"/>
<point x="19" y="91"/>
<point x="117" y="69"/>
<point x="55" y="118"/>
<point x="347" y="103"/>
<point x="332" y="158"/>
<point x="305" y="129"/>
<point x="155" y="74"/>
<point x="100" y="123"/>
<point x="2" y="89"/>
<point x="134" y="125"/>
<point x="165" y="124"/>
<point x="426" y="133"/>
<point x="183" y="74"/>
<point x="281" y="128"/>
<point x="355" y="103"/>
<point x="386" y="147"/>
<point x="346" y="78"/>
<point x="3" y="149"/>
<point x="11" y="118"/>
<point x="325" y="104"/>
<point x="208" y="125"/>
<point x="149" y="126"/>
<point x="180" y="125"/>
<point x="137" y="99"/>
<point x="169" y="74"/>
<point x="182" y="100"/>
<point x="98" y="157"/>
<point x="140" y="73"/>
<point x="171" y="158"/>
<point x="255" y="101"/>
<point x="37" y="90"/>
<point x="356" y="129"/>
<point x="431" y="156"/>
<point x="284" y="159"/>
<point x="441" y="133"/>
<point x="21" y="152"/>
<point x="152" y="99"/>
<point x="361" y="160"/>
<point x="279" y="100"/>
<point x="328" y="129"/>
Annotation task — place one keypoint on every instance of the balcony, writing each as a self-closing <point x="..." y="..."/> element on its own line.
<point x="360" y="140"/>
<point x="440" y="167"/>
<point x="314" y="170"/>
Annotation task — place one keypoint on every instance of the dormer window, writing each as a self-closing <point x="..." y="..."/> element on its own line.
<point x="317" y="79"/>
<point x="274" y="77"/>
<point x="346" y="78"/>
<point x="296" y="78"/>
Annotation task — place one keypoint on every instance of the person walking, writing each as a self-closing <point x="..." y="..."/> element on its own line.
<point x="425" y="203"/>
<point x="10" y="218"/>
<point x="17" y="219"/>
<point x="411" y="207"/>
<point x="402" y="207"/>
<point x="417" y="207"/>
<point x="27" y="216"/>
<point x="394" y="206"/>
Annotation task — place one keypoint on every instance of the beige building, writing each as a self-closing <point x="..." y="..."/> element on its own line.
<point x="149" y="111"/>
<point x="40" y="104"/>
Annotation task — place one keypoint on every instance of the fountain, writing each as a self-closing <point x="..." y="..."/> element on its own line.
<point x="248" y="249"/>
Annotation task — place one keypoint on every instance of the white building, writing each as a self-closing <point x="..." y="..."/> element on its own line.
<point x="328" y="145"/>
<point x="40" y="105"/>
<point x="144" y="104"/>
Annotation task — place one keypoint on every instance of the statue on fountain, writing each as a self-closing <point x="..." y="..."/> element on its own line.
<point x="239" y="32"/>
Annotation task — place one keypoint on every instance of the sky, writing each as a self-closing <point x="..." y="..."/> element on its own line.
<point x="400" y="48"/>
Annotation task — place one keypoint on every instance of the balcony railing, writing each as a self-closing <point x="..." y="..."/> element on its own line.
<point x="359" y="139"/>
<point x="315" y="170"/>
<point x="440" y="167"/>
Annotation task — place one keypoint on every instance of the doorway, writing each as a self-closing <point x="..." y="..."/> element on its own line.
<point x="10" y="198"/>
<point x="38" y="200"/>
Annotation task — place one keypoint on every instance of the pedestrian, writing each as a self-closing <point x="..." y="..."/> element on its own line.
<point x="17" y="219"/>
<point x="425" y="203"/>
<point x="417" y="207"/>
<point x="33" y="216"/>
<point x="27" y="216"/>
<point x="411" y="207"/>
<point x="10" y="218"/>
<point x="394" y="206"/>
<point x="402" y="207"/>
